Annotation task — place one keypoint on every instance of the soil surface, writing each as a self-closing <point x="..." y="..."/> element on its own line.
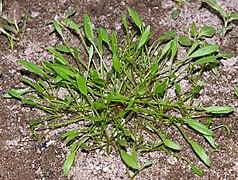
<point x="23" y="158"/>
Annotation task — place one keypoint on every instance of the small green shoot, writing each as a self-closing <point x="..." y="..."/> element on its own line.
<point x="10" y="28"/>
<point x="226" y="17"/>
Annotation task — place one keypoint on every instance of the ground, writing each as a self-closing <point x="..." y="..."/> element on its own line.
<point x="23" y="158"/>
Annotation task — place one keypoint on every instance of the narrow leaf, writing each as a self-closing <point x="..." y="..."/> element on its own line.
<point x="194" y="32"/>
<point x="171" y="144"/>
<point x="198" y="127"/>
<point x="219" y="109"/>
<point x="114" y="43"/>
<point x="17" y="91"/>
<point x="204" y="51"/>
<point x="31" y="67"/>
<point x="68" y="163"/>
<point x="88" y="29"/>
<point x="58" y="28"/>
<point x="205" y="60"/>
<point x="211" y="141"/>
<point x="174" y="47"/>
<point x="116" y="63"/>
<point x="226" y="55"/>
<point x="200" y="152"/>
<point x="62" y="48"/>
<point x="81" y="83"/>
<point x="144" y="37"/>
<point x="196" y="170"/>
<point x="136" y="18"/>
<point x="58" y="55"/>
<point x="129" y="160"/>
<point x="177" y="88"/>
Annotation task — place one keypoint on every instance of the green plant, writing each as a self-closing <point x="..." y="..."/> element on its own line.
<point x="11" y="28"/>
<point x="119" y="95"/>
<point x="176" y="12"/>
<point x="236" y="90"/>
<point x="226" y="17"/>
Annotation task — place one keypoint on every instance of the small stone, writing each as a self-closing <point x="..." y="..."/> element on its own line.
<point x="34" y="14"/>
<point x="105" y="169"/>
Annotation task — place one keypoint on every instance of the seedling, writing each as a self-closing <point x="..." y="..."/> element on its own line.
<point x="226" y="17"/>
<point x="123" y="103"/>
<point x="11" y="28"/>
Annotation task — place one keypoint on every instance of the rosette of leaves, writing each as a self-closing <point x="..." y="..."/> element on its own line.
<point x="117" y="97"/>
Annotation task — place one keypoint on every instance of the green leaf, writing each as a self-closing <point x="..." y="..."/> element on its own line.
<point x="194" y="32"/>
<point x="204" y="51"/>
<point x="194" y="46"/>
<point x="207" y="31"/>
<point x="17" y="91"/>
<point x="184" y="40"/>
<point x="90" y="55"/>
<point x="122" y="142"/>
<point x="81" y="83"/>
<point x="129" y="160"/>
<point x="73" y="25"/>
<point x="123" y="17"/>
<point x="215" y="6"/>
<point x="160" y="87"/>
<point x="58" y="55"/>
<point x="105" y="36"/>
<point x="236" y="90"/>
<point x="175" y="14"/>
<point x="31" y="67"/>
<point x="61" y="72"/>
<point x="214" y="67"/>
<point x="100" y="48"/>
<point x="200" y="152"/>
<point x="198" y="127"/>
<point x="232" y="17"/>
<point x="219" y="109"/>
<point x="29" y="102"/>
<point x="196" y="170"/>
<point x="114" y="43"/>
<point x="225" y="55"/>
<point x="211" y="141"/>
<point x="171" y="144"/>
<point x="116" y="63"/>
<point x="198" y="87"/>
<point x="204" y="60"/>
<point x="88" y="29"/>
<point x="167" y="36"/>
<point x="15" y="94"/>
<point x="72" y="136"/>
<point x="174" y="47"/>
<point x="142" y="92"/>
<point x="144" y="37"/>
<point x="136" y="18"/>
<point x="62" y="48"/>
<point x="68" y="163"/>
<point x="58" y="28"/>
<point x="177" y="88"/>
<point x="71" y="12"/>
<point x="64" y="69"/>
<point x="166" y="49"/>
